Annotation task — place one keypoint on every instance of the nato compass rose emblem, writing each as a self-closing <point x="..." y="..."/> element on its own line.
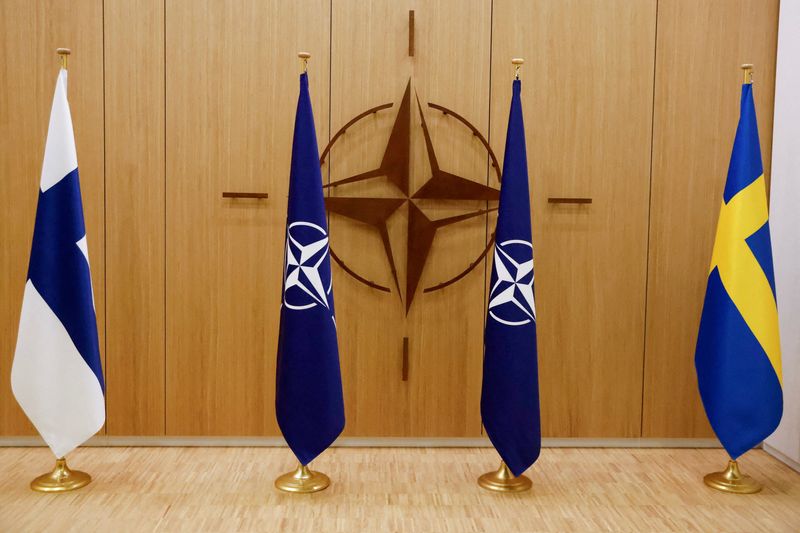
<point x="440" y="185"/>
<point x="511" y="297"/>
<point x="305" y="283"/>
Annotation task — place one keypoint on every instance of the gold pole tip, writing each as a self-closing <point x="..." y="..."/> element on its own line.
<point x="747" y="71"/>
<point x="63" y="51"/>
<point x="517" y="61"/>
<point x="303" y="55"/>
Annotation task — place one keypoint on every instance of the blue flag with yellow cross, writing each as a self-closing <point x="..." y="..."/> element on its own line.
<point x="738" y="357"/>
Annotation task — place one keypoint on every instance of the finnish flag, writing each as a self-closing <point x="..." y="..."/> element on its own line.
<point x="56" y="376"/>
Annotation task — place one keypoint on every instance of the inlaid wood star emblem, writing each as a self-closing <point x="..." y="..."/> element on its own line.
<point x="441" y="185"/>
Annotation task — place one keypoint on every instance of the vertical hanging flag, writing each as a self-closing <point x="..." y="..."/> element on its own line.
<point x="56" y="375"/>
<point x="510" y="394"/>
<point x="738" y="358"/>
<point x="308" y="402"/>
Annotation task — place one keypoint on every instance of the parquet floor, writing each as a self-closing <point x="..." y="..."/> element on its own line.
<point x="394" y="489"/>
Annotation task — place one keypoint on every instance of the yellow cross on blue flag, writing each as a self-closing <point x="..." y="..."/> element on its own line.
<point x="738" y="356"/>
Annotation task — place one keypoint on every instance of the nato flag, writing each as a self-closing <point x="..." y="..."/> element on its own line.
<point x="308" y="396"/>
<point x="510" y="395"/>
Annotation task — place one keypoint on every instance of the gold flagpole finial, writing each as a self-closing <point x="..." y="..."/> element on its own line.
<point x="304" y="57"/>
<point x="63" y="53"/>
<point x="517" y="62"/>
<point x="747" y="68"/>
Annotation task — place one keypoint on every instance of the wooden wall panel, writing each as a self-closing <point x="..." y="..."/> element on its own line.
<point x="190" y="99"/>
<point x="587" y="98"/>
<point x="231" y="93"/>
<point x="134" y="125"/>
<point x="698" y="83"/>
<point x="372" y="66"/>
<point x="451" y="68"/>
<point x="30" y="32"/>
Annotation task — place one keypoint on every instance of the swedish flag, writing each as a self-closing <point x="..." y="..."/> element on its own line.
<point x="738" y="357"/>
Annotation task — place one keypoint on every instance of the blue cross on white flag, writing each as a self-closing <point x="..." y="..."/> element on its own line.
<point x="56" y="376"/>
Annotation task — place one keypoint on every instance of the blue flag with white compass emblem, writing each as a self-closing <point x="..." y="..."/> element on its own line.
<point x="308" y="388"/>
<point x="510" y="393"/>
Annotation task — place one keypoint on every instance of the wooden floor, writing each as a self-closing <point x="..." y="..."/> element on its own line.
<point x="400" y="489"/>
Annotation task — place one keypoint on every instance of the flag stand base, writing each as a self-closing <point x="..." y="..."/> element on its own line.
<point x="61" y="479"/>
<point x="731" y="480"/>
<point x="303" y="481"/>
<point x="502" y="480"/>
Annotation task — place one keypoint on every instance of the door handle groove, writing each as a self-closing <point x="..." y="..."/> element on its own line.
<point x="568" y="200"/>
<point x="405" y="358"/>
<point x="411" y="33"/>
<point x="256" y="195"/>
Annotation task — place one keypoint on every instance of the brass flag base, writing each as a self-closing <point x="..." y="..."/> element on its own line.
<point x="303" y="481"/>
<point x="502" y="480"/>
<point x="731" y="480"/>
<point x="61" y="479"/>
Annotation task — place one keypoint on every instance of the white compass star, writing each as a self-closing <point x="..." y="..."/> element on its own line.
<point x="306" y="259"/>
<point x="510" y="284"/>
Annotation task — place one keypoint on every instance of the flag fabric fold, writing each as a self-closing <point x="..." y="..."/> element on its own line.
<point x="510" y="391"/>
<point x="56" y="375"/>
<point x="308" y="398"/>
<point x="738" y="358"/>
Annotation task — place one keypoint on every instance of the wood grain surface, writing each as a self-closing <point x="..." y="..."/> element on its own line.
<point x="399" y="490"/>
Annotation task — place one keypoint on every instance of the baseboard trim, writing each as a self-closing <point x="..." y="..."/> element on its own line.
<point x="370" y="442"/>
<point x="782" y="457"/>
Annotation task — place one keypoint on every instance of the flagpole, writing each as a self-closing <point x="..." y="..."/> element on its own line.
<point x="63" y="53"/>
<point x="731" y="479"/>
<point x="517" y="62"/>
<point x="304" y="57"/>
<point x="747" y="71"/>
<point x="302" y="480"/>
<point x="61" y="478"/>
<point x="502" y="479"/>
